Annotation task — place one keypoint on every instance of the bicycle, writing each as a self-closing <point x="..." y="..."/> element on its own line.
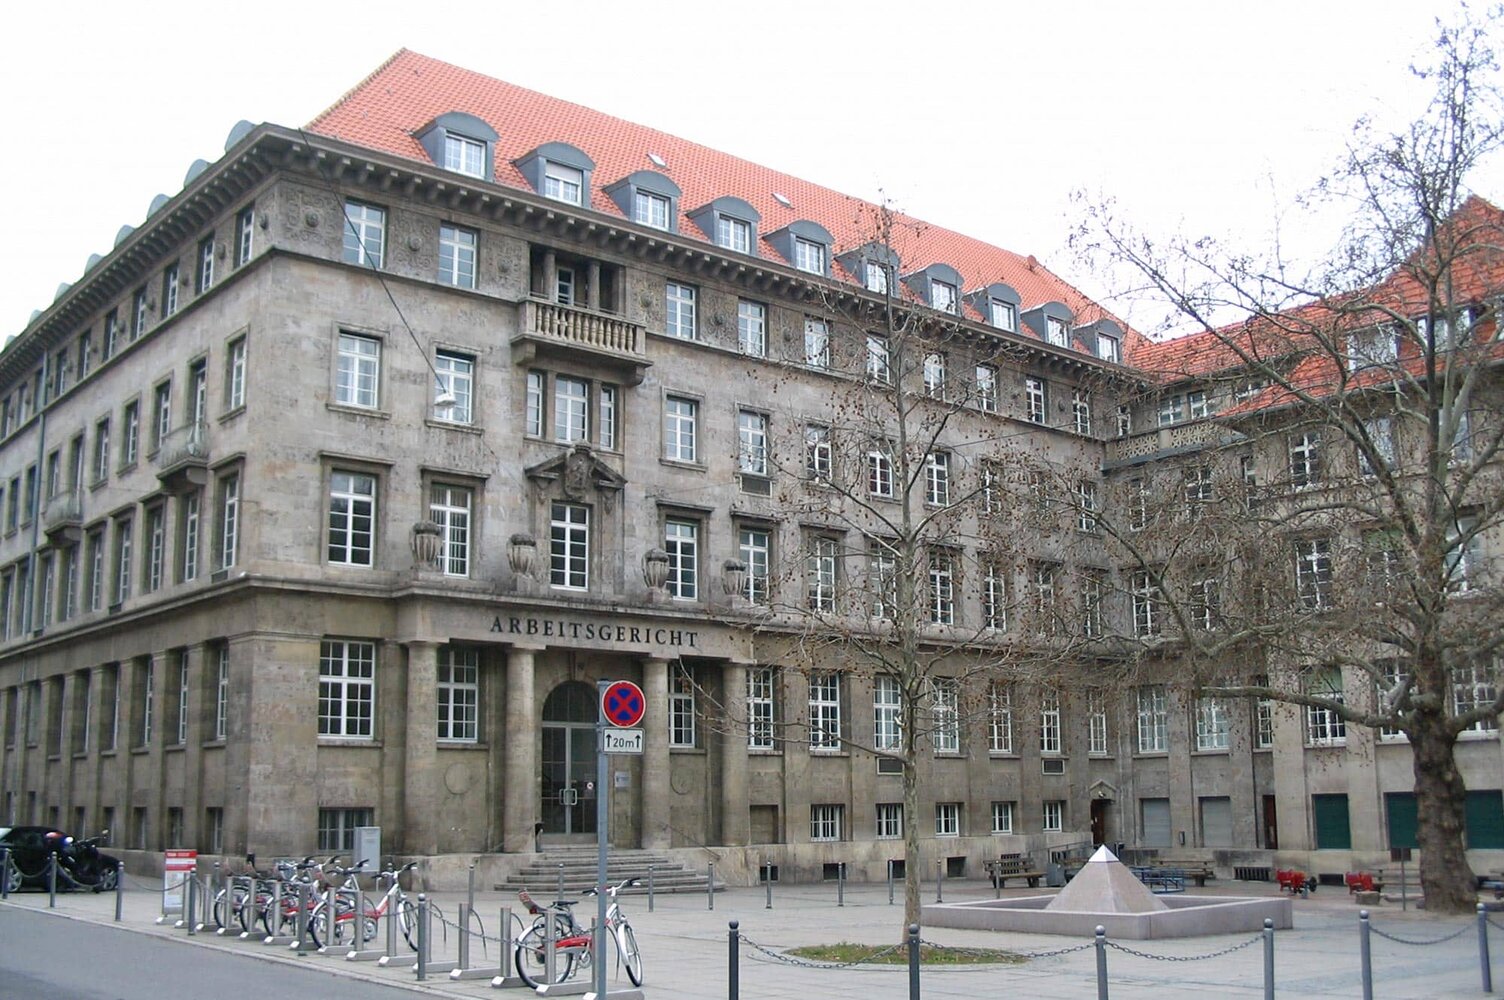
<point x="573" y="944"/>
<point x="394" y="903"/>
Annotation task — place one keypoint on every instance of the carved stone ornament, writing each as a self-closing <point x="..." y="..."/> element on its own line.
<point x="522" y="550"/>
<point x="311" y="219"/>
<point x="577" y="472"/>
<point x="427" y="543"/>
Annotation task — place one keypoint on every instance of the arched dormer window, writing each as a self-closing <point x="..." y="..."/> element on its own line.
<point x="648" y="198"/>
<point x="559" y="171"/>
<point x="1104" y="338"/>
<point x="1051" y="323"/>
<point x="998" y="304"/>
<point x="804" y="244"/>
<point x="872" y="264"/>
<point x="730" y="223"/>
<point x="937" y="286"/>
<point x="460" y="142"/>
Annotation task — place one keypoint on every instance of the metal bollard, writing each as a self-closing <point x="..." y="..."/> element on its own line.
<point x="190" y="898"/>
<point x="300" y="921"/>
<point x="276" y="914"/>
<point x="1483" y="960"/>
<point x="4" y="872"/>
<point x="550" y="936"/>
<point x="939" y="880"/>
<point x="560" y="893"/>
<point x="913" y="962"/>
<point x="465" y="928"/>
<point x="52" y="880"/>
<point x="710" y="886"/>
<point x="890" y="883"/>
<point x="767" y="879"/>
<point x="841" y="883"/>
<point x="1101" y="943"/>
<point x="1268" y="959"/>
<point x="650" y="888"/>
<point x="119" y="889"/>
<point x="359" y="940"/>
<point x="1366" y="955"/>
<point x="733" y="978"/>
<point x="422" y="967"/>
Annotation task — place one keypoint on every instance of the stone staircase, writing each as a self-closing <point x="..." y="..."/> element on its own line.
<point x="578" y="865"/>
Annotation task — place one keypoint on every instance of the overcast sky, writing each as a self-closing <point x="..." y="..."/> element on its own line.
<point x="983" y="117"/>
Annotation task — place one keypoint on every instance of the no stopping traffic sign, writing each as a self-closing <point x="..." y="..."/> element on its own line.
<point x="623" y="703"/>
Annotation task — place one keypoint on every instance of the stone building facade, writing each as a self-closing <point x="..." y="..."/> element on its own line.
<point x="331" y="491"/>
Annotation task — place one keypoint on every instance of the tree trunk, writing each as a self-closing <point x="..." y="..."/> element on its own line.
<point x="1440" y="798"/>
<point x="911" y="871"/>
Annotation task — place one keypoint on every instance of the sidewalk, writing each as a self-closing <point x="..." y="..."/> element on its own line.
<point x="685" y="948"/>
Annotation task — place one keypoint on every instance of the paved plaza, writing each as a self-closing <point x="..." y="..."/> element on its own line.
<point x="685" y="950"/>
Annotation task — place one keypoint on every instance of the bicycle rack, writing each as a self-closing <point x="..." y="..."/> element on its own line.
<point x="275" y="920"/>
<point x="506" y="975"/>
<point x="389" y="918"/>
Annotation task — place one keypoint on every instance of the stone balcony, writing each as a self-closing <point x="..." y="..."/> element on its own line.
<point x="552" y="329"/>
<point x="63" y="517"/>
<point x="183" y="458"/>
<point x="1160" y="442"/>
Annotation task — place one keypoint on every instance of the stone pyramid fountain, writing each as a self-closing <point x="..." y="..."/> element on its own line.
<point x="1106" y="893"/>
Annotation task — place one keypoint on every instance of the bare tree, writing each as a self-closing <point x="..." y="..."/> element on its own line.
<point x="1339" y="492"/>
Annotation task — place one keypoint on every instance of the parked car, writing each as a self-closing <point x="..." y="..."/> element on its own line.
<point x="80" y="863"/>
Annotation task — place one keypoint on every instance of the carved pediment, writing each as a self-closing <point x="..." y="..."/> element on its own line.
<point x="580" y="474"/>
<point x="1102" y="790"/>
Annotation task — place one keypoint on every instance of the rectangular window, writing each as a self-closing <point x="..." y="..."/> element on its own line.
<point x="937" y="479"/>
<point x="132" y="435"/>
<point x="882" y="568"/>
<point x="733" y="234"/>
<point x="1093" y="587"/>
<point x="146" y="680"/>
<point x="1171" y="410"/>
<point x="245" y="227"/>
<point x="1049" y="721"/>
<point x="809" y="256"/>
<point x="1002" y="314"/>
<point x="817" y="452"/>
<point x="1196" y="488"/>
<point x="823" y="560"/>
<point x="986" y="381"/>
<point x="887" y="713"/>
<point x="347" y="688"/>
<point x="564" y="286"/>
<point x="680" y="319"/>
<point x="180" y="698"/>
<point x="825" y="821"/>
<point x="1147" y="614"/>
<point x="571" y="409"/>
<point x="945" y="715"/>
<point x="101" y="450"/>
<point x="228" y="520"/>
<point x="205" y="265"/>
<point x="761" y="683"/>
<point x="456" y="376"/>
<point x="1380" y="431"/>
<point x="533" y="416"/>
<point x="337" y="828"/>
<point x="569" y="546"/>
<point x="169" y="290"/>
<point x="352" y="518"/>
<point x="94" y="566"/>
<point x="563" y="183"/>
<point x="816" y="343"/>
<point x="947" y="819"/>
<point x="235" y="374"/>
<point x="754" y="548"/>
<point x="1002" y="817"/>
<point x="1376" y="347"/>
<point x="1195" y="404"/>
<point x="1096" y="722"/>
<point x="1054" y="815"/>
<point x="1263" y="719"/>
<point x="138" y="314"/>
<point x="607" y="406"/>
<point x="1125" y="421"/>
<point x="161" y="414"/>
<point x="1325" y="726"/>
<point x="995" y="596"/>
<point x="681" y="417"/>
<point x="681" y="540"/>
<point x="875" y="276"/>
<point x="156" y="548"/>
<point x="1086" y="506"/>
<point x="1211" y="724"/>
<point x="943" y="296"/>
<point x="650" y="209"/>
<point x="934" y="375"/>
<point x="1034" y="400"/>
<point x="999" y="718"/>
<point x="880" y="471"/>
<point x="1046" y="615"/>
<point x="681" y="707"/>
<point x="221" y="690"/>
<point x="110" y="340"/>
<point x="825" y="710"/>
<point x="457" y="255"/>
<point x="1081" y="411"/>
<point x="365" y="234"/>
<point x="1056" y="332"/>
<point x="122" y="559"/>
<point x="1472" y="689"/>
<point x="357" y="376"/>
<point x="458" y="694"/>
<point x="1153" y="719"/>
<point x="449" y="508"/>
<point x="1109" y="349"/>
<point x="752" y="328"/>
<point x="889" y="820"/>
<point x="942" y="580"/>
<point x="1306" y="460"/>
<point x="464" y="155"/>
<point x="1313" y="573"/>
<point x="752" y="432"/>
<point x="879" y="361"/>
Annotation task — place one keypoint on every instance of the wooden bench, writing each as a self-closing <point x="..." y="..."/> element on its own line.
<point x="1197" y="871"/>
<point x="1013" y="866"/>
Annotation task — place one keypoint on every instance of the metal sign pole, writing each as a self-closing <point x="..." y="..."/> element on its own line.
<point x="602" y="818"/>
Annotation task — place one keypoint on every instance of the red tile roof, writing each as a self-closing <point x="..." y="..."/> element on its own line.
<point x="409" y="90"/>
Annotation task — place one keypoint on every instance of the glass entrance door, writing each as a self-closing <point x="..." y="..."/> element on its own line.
<point x="568" y="779"/>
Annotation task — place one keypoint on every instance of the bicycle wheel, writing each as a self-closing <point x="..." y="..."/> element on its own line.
<point x="631" y="957"/>
<point x="319" y="930"/>
<point x="529" y="961"/>
<point x="407" y="919"/>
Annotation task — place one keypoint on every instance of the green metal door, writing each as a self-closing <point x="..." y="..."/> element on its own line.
<point x="1333" y="833"/>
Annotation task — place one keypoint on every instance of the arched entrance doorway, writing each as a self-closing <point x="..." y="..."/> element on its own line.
<point x="568" y="761"/>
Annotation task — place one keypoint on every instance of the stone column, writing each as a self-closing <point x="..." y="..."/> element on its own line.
<point x="593" y="285"/>
<point x="656" y="833"/>
<point x="520" y="795"/>
<point x="420" y="782"/>
<point x="735" y="824"/>
<point x="200" y="706"/>
<point x="550" y="276"/>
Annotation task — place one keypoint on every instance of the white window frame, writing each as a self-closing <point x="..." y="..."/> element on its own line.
<point x="944" y="296"/>
<point x="1036" y="399"/>
<point x="889" y="821"/>
<point x="1212" y="724"/>
<point x="752" y="436"/>
<point x="999" y="718"/>
<point x="456" y="376"/>
<point x="571" y="409"/>
<point x="732" y="233"/>
<point x="681" y="540"/>
<point x="934" y="375"/>
<point x="449" y="507"/>
<point x="826" y="821"/>
<point x="1148" y="620"/>
<point x="357" y="373"/>
<point x="1324" y="727"/>
<point x="1053" y="818"/>
<point x="235" y="371"/>
<point x="986" y="382"/>
<point x="880" y="471"/>
<point x="809" y="255"/>
<point x="1096" y="722"/>
<point x="682" y="732"/>
<point x="222" y="691"/>
<point x="1049" y="722"/>
<point x="937" y="479"/>
<point x="945" y="715"/>
<point x="464" y="155"/>
<point x="1081" y="411"/>
<point x="536" y="397"/>
<point x="941" y="568"/>
<point x="879" y="360"/>
<point x="761" y="720"/>
<point x="681" y="422"/>
<point x="364" y="234"/>
<point x="1313" y="573"/>
<point x="563" y="183"/>
<point x="755" y="549"/>
<point x="352" y="518"/>
<point x="651" y="209"/>
<point x="752" y="328"/>
<point x="1306" y="465"/>
<point x="1057" y="332"/>
<point x="887" y="713"/>
<point x="569" y="546"/>
<point x="824" y="558"/>
<point x="947" y="819"/>
<point x="994" y="596"/>
<point x="1003" y="315"/>
<point x="1153" y="719"/>
<point x="824" y="711"/>
<point x="347" y="689"/>
<point x="228" y="501"/>
<point x="457" y="694"/>
<point x="816" y="342"/>
<point x="1002" y="817"/>
<point x="680" y="318"/>
<point x="458" y="246"/>
<point x="818" y="453"/>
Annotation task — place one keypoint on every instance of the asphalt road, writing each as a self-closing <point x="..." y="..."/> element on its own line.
<point x="43" y="957"/>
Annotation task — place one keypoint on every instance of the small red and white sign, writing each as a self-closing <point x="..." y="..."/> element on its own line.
<point x="176" y="867"/>
<point x="622" y="703"/>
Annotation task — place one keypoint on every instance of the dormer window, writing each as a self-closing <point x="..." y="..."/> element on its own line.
<point x="733" y="234"/>
<point x="650" y="210"/>
<point x="460" y="142"/>
<point x="648" y="198"/>
<point x="1051" y="322"/>
<point x="943" y="296"/>
<point x="937" y="286"/>
<point x="1109" y="349"/>
<point x="563" y="183"/>
<point x="1002" y="315"/>
<point x="1056" y="332"/>
<point x="464" y="155"/>
<point x="809" y="255"/>
<point x="876" y="277"/>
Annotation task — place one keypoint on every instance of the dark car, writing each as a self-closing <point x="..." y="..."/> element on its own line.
<point x="80" y="865"/>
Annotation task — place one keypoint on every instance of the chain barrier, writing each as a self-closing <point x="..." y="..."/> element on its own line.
<point x="1052" y="953"/>
<point x="1185" y="958"/>
<point x="155" y="886"/>
<point x="805" y="963"/>
<point x="1399" y="940"/>
<point x="1495" y="924"/>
